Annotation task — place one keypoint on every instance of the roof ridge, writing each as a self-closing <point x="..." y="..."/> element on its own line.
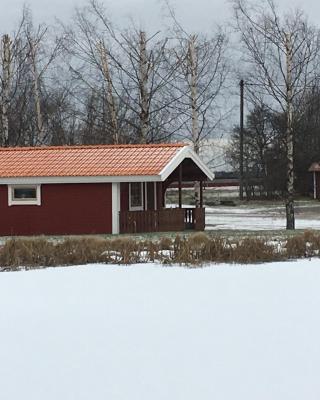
<point x="99" y="146"/>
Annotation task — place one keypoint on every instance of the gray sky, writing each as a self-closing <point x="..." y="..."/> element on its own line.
<point x="194" y="14"/>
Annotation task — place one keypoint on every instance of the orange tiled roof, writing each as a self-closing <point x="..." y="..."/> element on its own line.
<point x="103" y="160"/>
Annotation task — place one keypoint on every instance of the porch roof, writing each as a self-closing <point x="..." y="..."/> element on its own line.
<point x="103" y="163"/>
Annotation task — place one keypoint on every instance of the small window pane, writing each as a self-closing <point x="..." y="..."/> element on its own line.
<point x="136" y="194"/>
<point x="24" y="193"/>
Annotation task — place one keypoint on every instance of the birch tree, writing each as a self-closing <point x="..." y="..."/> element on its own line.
<point x="110" y="99"/>
<point x="139" y="71"/>
<point x="92" y="68"/>
<point x="11" y="61"/>
<point x="41" y="52"/>
<point x="143" y="77"/>
<point x="200" y="81"/>
<point x="6" y="58"/>
<point x="282" y="56"/>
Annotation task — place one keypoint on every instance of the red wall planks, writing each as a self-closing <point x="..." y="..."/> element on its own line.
<point x="65" y="209"/>
<point x="124" y="196"/>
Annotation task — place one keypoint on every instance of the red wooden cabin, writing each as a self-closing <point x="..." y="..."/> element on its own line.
<point x="96" y="189"/>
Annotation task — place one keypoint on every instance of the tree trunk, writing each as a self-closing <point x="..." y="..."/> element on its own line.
<point x="6" y="84"/>
<point x="289" y="140"/>
<point x="37" y="95"/>
<point x="194" y="108"/>
<point x="144" y="97"/>
<point x="109" y="95"/>
<point x="193" y="92"/>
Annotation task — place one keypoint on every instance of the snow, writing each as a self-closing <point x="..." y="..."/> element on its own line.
<point x="151" y="332"/>
<point x="260" y="218"/>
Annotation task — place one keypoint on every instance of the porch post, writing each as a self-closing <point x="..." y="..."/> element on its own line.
<point x="180" y="186"/>
<point x="314" y="185"/>
<point x="201" y="194"/>
<point x="155" y="194"/>
<point x="145" y="197"/>
<point x="115" y="207"/>
<point x="160" y="205"/>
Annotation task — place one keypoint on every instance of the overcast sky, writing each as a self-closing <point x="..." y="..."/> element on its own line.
<point x="194" y="14"/>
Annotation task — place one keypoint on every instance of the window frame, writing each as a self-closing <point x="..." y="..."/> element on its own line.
<point x="136" y="208"/>
<point x="23" y="202"/>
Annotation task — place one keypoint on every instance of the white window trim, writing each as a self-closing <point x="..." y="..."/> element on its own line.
<point x="137" y="208"/>
<point x="24" y="202"/>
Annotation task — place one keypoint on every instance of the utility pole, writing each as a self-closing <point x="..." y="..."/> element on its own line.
<point x="241" y="141"/>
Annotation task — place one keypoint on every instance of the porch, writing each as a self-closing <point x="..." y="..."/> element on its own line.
<point x="165" y="220"/>
<point x="143" y="206"/>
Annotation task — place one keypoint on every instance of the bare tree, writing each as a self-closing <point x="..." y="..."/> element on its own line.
<point x="92" y="72"/>
<point x="40" y="58"/>
<point x="126" y="70"/>
<point x="199" y="79"/>
<point x="11" y="63"/>
<point x="141" y="82"/>
<point x="6" y="56"/>
<point x="199" y="83"/>
<point x="282" y="53"/>
<point x="111" y="103"/>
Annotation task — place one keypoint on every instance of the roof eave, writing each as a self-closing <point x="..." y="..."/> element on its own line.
<point x="185" y="152"/>
<point x="77" y="179"/>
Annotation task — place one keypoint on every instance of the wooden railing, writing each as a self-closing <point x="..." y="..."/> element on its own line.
<point x="194" y="218"/>
<point x="165" y="220"/>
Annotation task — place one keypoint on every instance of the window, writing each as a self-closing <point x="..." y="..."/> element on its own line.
<point x="136" y="196"/>
<point x="24" y="195"/>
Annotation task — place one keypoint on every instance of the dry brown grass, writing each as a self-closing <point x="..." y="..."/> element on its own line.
<point x="251" y="250"/>
<point x="29" y="253"/>
<point x="126" y="250"/>
<point x="195" y="249"/>
<point x="304" y="245"/>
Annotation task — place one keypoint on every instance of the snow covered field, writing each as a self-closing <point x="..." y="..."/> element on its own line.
<point x="148" y="332"/>
<point x="261" y="217"/>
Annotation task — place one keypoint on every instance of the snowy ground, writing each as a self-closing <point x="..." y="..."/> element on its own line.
<point x="148" y="332"/>
<point x="265" y="217"/>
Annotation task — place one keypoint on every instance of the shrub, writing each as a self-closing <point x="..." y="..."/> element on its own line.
<point x="252" y="250"/>
<point x="81" y="251"/>
<point x="128" y="249"/>
<point x="27" y="252"/>
<point x="296" y="247"/>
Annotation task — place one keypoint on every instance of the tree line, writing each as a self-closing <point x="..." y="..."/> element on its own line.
<point x="91" y="82"/>
<point x="280" y="54"/>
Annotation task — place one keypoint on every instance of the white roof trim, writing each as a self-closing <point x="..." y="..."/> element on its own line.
<point x="78" y="179"/>
<point x="185" y="152"/>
